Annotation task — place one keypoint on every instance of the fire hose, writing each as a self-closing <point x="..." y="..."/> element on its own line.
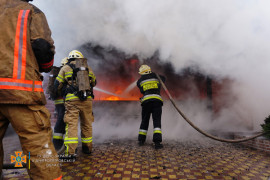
<point x="10" y="166"/>
<point x="198" y="129"/>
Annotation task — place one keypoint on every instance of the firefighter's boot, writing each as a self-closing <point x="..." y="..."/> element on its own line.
<point x="141" y="143"/>
<point x="58" y="143"/>
<point x="86" y="150"/>
<point x="158" y="145"/>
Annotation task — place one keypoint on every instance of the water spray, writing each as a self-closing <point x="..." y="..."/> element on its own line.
<point x="107" y="92"/>
<point x="130" y="87"/>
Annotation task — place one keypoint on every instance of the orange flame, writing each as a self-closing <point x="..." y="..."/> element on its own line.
<point x="133" y="95"/>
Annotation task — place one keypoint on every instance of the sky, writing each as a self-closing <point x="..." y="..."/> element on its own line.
<point x="225" y="38"/>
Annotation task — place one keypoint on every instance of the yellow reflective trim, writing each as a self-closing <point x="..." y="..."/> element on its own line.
<point x="60" y="76"/>
<point x="71" y="96"/>
<point x="157" y="131"/>
<point x="60" y="79"/>
<point x="151" y="97"/>
<point x="57" y="137"/>
<point x="92" y="76"/>
<point x="67" y="148"/>
<point x="149" y="85"/>
<point x="148" y="82"/>
<point x="66" y="130"/>
<point x="59" y="101"/>
<point x="143" y="133"/>
<point x="86" y="140"/>
<point x="70" y="140"/>
<point x="66" y="151"/>
<point x="67" y="76"/>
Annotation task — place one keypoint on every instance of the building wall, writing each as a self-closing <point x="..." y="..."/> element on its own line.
<point x="260" y="143"/>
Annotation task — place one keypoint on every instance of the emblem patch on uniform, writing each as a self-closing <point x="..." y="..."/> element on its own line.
<point x="18" y="159"/>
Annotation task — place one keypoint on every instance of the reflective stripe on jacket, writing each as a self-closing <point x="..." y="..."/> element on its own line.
<point x="20" y="78"/>
<point x="71" y="96"/>
<point x="151" y="96"/>
<point x="59" y="101"/>
<point x="149" y="86"/>
<point x="58" y="136"/>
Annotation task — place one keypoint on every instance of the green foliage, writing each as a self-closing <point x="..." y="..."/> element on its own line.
<point x="266" y="127"/>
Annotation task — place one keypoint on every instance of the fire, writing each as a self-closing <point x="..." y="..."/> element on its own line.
<point x="113" y="98"/>
<point x="119" y="96"/>
<point x="119" y="84"/>
<point x="117" y="92"/>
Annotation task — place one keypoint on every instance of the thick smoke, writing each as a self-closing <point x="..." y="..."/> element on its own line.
<point x="225" y="39"/>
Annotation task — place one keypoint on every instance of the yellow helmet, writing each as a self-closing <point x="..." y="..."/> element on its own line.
<point x="64" y="61"/>
<point x="75" y="54"/>
<point x="144" y="69"/>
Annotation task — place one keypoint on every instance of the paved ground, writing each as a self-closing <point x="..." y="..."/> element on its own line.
<point x="124" y="159"/>
<point x="196" y="159"/>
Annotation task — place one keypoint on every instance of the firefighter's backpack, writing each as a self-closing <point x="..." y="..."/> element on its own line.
<point x="81" y="76"/>
<point x="52" y="76"/>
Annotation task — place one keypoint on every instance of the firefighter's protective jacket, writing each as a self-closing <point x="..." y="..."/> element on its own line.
<point x="26" y="49"/>
<point x="149" y="86"/>
<point x="65" y="76"/>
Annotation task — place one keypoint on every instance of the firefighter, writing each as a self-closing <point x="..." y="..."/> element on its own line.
<point x="26" y="50"/>
<point x="59" y="128"/>
<point x="151" y="103"/>
<point x="76" y="105"/>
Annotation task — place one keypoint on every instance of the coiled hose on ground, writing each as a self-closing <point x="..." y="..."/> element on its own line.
<point x="201" y="131"/>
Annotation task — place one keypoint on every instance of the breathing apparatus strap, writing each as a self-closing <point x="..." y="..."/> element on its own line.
<point x="74" y="89"/>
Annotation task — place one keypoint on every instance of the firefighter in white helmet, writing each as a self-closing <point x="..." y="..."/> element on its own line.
<point x="59" y="128"/>
<point x="77" y="105"/>
<point x="151" y="103"/>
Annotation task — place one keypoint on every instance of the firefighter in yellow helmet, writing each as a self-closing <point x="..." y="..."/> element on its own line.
<point x="77" y="104"/>
<point x="64" y="61"/>
<point x="59" y="128"/>
<point x="151" y="103"/>
<point x="26" y="50"/>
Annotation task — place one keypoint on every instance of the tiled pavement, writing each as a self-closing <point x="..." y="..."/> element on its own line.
<point x="196" y="159"/>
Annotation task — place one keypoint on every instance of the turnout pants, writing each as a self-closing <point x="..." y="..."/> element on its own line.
<point x="59" y="128"/>
<point x="32" y="124"/>
<point x="74" y="110"/>
<point x="154" y="108"/>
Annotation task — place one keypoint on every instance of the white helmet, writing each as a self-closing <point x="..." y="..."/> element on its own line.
<point x="75" y="54"/>
<point x="144" y="69"/>
<point x="64" y="61"/>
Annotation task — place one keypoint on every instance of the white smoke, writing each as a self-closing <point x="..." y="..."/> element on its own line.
<point x="225" y="38"/>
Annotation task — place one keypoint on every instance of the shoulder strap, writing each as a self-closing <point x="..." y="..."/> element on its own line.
<point x="74" y="69"/>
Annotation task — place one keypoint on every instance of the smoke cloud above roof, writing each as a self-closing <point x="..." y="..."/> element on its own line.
<point x="225" y="39"/>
